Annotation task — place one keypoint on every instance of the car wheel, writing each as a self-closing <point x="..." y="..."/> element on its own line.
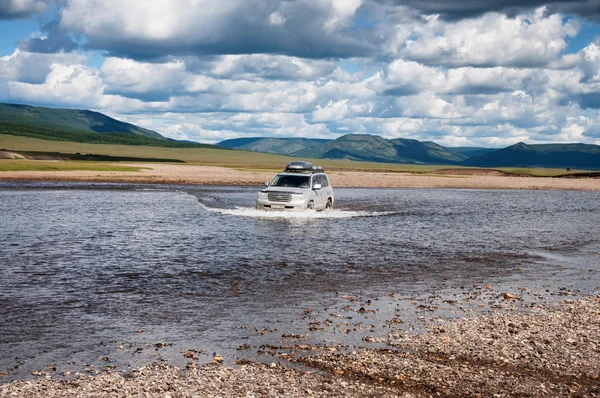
<point x="329" y="205"/>
<point x="310" y="206"/>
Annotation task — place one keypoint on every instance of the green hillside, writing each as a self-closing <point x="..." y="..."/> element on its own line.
<point x="78" y="126"/>
<point x="373" y="148"/>
<point x="471" y="151"/>
<point x="582" y="156"/>
<point x="280" y="146"/>
<point x="357" y="147"/>
<point x="426" y="152"/>
<point x="83" y="126"/>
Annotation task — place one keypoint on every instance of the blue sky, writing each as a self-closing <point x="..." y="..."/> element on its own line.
<point x="12" y="31"/>
<point x="462" y="73"/>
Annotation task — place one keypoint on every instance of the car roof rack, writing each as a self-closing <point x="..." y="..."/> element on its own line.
<point x="303" y="167"/>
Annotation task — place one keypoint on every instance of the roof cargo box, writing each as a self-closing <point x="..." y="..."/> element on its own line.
<point x="303" y="167"/>
<point x="299" y="166"/>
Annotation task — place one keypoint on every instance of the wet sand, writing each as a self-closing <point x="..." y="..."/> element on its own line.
<point x="518" y="350"/>
<point x="209" y="175"/>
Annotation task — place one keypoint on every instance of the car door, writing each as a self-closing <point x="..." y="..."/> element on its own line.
<point x="324" y="190"/>
<point x="328" y="190"/>
<point x="318" y="192"/>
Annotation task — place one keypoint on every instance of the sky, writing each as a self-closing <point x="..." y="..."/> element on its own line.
<point x="460" y="73"/>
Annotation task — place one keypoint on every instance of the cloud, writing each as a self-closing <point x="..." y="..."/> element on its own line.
<point x="15" y="9"/>
<point x="592" y="131"/>
<point x="33" y="68"/>
<point x="490" y="40"/>
<point x="463" y="9"/>
<point x="262" y="66"/>
<point x="588" y="100"/>
<point x="144" y="81"/>
<point x="156" y="28"/>
<point x="404" y="78"/>
<point x="333" y="111"/>
<point x="69" y="85"/>
<point x="55" y="41"/>
<point x="216" y="126"/>
<point x="580" y="79"/>
<point x="207" y="70"/>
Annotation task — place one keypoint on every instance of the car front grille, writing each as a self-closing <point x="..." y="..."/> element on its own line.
<point x="279" y="197"/>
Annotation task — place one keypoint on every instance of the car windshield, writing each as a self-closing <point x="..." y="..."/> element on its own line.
<point x="291" y="181"/>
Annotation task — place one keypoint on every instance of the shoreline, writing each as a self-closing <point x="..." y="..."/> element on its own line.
<point x="222" y="176"/>
<point x="539" y="351"/>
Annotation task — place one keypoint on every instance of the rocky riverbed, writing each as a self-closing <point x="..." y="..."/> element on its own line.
<point x="521" y="350"/>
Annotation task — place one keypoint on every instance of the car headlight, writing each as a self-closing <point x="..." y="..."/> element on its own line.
<point x="262" y="195"/>
<point x="298" y="195"/>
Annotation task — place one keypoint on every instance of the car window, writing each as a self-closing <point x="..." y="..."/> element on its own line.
<point x="291" y="181"/>
<point x="317" y="180"/>
<point x="325" y="181"/>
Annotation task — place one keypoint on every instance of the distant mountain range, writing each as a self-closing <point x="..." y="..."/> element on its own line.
<point x="92" y="127"/>
<point x="582" y="156"/>
<point x="78" y="126"/>
<point x="373" y="148"/>
<point x="280" y="146"/>
<point x="358" y="147"/>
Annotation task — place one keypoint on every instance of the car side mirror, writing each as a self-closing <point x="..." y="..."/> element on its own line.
<point x="267" y="184"/>
<point x="317" y="186"/>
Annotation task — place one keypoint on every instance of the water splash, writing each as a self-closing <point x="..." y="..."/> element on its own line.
<point x="309" y="214"/>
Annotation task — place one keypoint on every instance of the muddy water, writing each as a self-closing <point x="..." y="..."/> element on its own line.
<point x="118" y="275"/>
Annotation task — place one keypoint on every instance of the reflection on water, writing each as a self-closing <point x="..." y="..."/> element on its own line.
<point x="87" y="268"/>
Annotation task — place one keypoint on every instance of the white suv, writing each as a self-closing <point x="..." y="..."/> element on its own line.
<point x="301" y="186"/>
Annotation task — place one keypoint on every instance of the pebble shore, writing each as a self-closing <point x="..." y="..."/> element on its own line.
<point x="154" y="173"/>
<point x="532" y="351"/>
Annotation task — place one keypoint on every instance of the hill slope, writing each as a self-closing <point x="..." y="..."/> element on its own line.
<point x="280" y="146"/>
<point x="78" y="126"/>
<point x="374" y="148"/>
<point x="583" y="156"/>
<point x="471" y="151"/>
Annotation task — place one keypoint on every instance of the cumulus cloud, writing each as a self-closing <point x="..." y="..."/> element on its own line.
<point x="579" y="81"/>
<point x="33" y="68"/>
<point x="14" y="9"/>
<point x="55" y="41"/>
<point x="69" y="85"/>
<point x="491" y="40"/>
<point x="263" y="66"/>
<point x="144" y="81"/>
<point x="461" y="9"/>
<point x="458" y="73"/>
<point x="157" y="28"/>
<point x="213" y="127"/>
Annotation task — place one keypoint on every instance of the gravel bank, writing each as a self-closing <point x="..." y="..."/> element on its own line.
<point x="208" y="175"/>
<point x="540" y="351"/>
<point x="545" y="352"/>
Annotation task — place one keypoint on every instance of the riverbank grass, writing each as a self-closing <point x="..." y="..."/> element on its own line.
<point x="63" y="165"/>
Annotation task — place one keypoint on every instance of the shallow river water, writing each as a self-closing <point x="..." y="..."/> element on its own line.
<point x="100" y="275"/>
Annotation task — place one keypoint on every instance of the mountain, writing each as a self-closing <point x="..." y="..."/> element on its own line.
<point x="280" y="146"/>
<point x="582" y="156"/>
<point x="359" y="147"/>
<point x="79" y="126"/>
<point x="426" y="152"/>
<point x="471" y="151"/>
<point x="374" y="148"/>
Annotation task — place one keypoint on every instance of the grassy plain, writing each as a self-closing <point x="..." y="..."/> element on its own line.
<point x="540" y="172"/>
<point x="239" y="160"/>
<point x="60" y="165"/>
